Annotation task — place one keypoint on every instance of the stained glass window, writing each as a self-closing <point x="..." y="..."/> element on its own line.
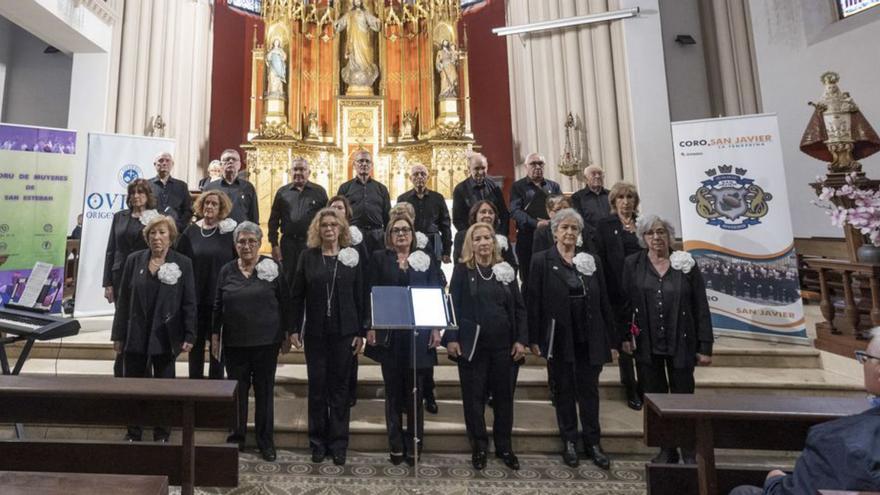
<point x="252" y="6"/>
<point x="852" y="7"/>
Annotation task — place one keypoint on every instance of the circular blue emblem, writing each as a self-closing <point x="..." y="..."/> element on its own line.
<point x="128" y="173"/>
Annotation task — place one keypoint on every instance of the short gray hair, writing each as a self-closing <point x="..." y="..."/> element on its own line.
<point x="645" y="224"/>
<point x="250" y="228"/>
<point x="566" y="214"/>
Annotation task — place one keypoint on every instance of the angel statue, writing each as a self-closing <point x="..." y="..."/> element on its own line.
<point x="276" y="62"/>
<point x="447" y="66"/>
<point x="360" y="69"/>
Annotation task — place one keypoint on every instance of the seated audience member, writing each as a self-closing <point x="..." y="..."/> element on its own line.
<point x="544" y="239"/>
<point x="215" y="173"/>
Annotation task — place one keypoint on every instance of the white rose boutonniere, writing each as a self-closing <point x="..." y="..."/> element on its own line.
<point x="585" y="263"/>
<point x="349" y="257"/>
<point x="148" y="216"/>
<point x="502" y="242"/>
<point x="682" y="261"/>
<point x="169" y="273"/>
<point x="267" y="270"/>
<point x="227" y="225"/>
<point x="503" y="272"/>
<point x="419" y="261"/>
<point x="356" y="235"/>
<point x="421" y="240"/>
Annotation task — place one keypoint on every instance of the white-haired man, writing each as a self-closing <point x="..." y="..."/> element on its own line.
<point x="528" y="206"/>
<point x="478" y="187"/>
<point x="240" y="191"/>
<point x="172" y="195"/>
<point x="432" y="215"/>
<point x="592" y="201"/>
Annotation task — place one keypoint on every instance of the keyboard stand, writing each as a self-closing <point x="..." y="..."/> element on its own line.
<point x="4" y="365"/>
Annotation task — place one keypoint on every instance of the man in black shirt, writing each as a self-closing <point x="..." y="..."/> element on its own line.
<point x="592" y="201"/>
<point x="528" y="206"/>
<point x="370" y="201"/>
<point x="475" y="188"/>
<point x="240" y="191"/>
<point x="432" y="215"/>
<point x="293" y="209"/>
<point x="172" y="195"/>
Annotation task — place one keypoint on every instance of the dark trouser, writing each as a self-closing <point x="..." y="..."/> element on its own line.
<point x="661" y="377"/>
<point x="254" y="366"/>
<point x="197" y="354"/>
<point x="524" y="240"/>
<point x="143" y="366"/>
<point x="399" y="398"/>
<point x="353" y="380"/>
<point x="489" y="372"/>
<point x="291" y="248"/>
<point x="628" y="373"/>
<point x="328" y="361"/>
<point x="577" y="390"/>
<point x="118" y="363"/>
<point x="428" y="383"/>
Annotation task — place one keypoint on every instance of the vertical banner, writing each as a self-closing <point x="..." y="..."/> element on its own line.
<point x="736" y="223"/>
<point x="35" y="168"/>
<point x="113" y="162"/>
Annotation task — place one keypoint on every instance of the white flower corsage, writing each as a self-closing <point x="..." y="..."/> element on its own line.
<point x="580" y="241"/>
<point x="503" y="272"/>
<point x="267" y="270"/>
<point x="585" y="263"/>
<point x="349" y="257"/>
<point x="148" y="216"/>
<point x="682" y="260"/>
<point x="356" y="235"/>
<point x="169" y="273"/>
<point x="421" y="240"/>
<point x="502" y="242"/>
<point x="419" y="261"/>
<point x="227" y="225"/>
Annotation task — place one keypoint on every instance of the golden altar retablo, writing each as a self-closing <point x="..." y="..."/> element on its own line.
<point x="330" y="78"/>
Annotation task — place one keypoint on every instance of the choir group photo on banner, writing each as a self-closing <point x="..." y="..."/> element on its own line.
<point x="589" y="278"/>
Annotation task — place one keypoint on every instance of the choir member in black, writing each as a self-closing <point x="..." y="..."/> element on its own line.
<point x="370" y="201"/>
<point x="293" y="209"/>
<point x="126" y="237"/>
<point x="328" y="292"/>
<point x="571" y="324"/>
<point x="587" y="242"/>
<point x="593" y="201"/>
<point x="666" y="297"/>
<point x="478" y="187"/>
<point x="240" y="191"/>
<point x="484" y="211"/>
<point x="208" y="243"/>
<point x="215" y="172"/>
<point x="156" y="312"/>
<point x="341" y="204"/>
<point x="252" y="321"/>
<point x="529" y="209"/>
<point x="402" y="264"/>
<point x="617" y="240"/>
<point x="172" y="195"/>
<point x="491" y="339"/>
<point x="431" y="213"/>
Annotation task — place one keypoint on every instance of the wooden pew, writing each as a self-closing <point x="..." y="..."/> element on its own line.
<point x="186" y="404"/>
<point x="729" y="421"/>
<point x="26" y="483"/>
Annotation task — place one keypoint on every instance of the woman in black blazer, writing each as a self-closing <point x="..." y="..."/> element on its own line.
<point x="252" y="322"/>
<point x="543" y="240"/>
<point x="571" y="324"/>
<point x="617" y="240"/>
<point x="402" y="264"/>
<point x="126" y="237"/>
<point x="156" y="311"/>
<point x="492" y="337"/>
<point x="328" y="291"/>
<point x="666" y="298"/>
<point x="484" y="211"/>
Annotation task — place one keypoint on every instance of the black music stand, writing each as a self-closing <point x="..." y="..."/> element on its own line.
<point x="412" y="308"/>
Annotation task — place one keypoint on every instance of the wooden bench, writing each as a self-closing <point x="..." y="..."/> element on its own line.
<point x="27" y="483"/>
<point x="186" y="404"/>
<point x="729" y="421"/>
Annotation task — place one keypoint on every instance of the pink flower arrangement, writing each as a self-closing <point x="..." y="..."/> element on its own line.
<point x="863" y="213"/>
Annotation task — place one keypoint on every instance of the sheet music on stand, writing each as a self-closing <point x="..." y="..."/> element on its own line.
<point x="34" y="286"/>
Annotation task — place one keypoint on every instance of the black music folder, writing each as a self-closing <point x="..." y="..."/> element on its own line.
<point x="410" y="307"/>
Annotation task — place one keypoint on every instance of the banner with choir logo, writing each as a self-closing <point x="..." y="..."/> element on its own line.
<point x="113" y="162"/>
<point x="35" y="170"/>
<point x="736" y="223"/>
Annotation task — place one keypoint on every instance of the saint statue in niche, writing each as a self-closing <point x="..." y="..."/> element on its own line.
<point x="360" y="69"/>
<point x="447" y="66"/>
<point x="276" y="62"/>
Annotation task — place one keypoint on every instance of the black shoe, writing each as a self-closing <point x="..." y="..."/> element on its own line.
<point x="352" y="402"/>
<point x="478" y="459"/>
<point x="491" y="402"/>
<point x="634" y="404"/>
<point x="268" y="454"/>
<point x="339" y="458"/>
<point x="570" y="455"/>
<point x="598" y="456"/>
<point x="431" y="405"/>
<point x="397" y="459"/>
<point x="161" y="440"/>
<point x="318" y="455"/>
<point x="666" y="456"/>
<point x="509" y="459"/>
<point x="131" y="438"/>
<point x="688" y="456"/>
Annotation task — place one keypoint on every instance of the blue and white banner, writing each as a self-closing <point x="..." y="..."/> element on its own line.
<point x="113" y="162"/>
<point x="736" y="223"/>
